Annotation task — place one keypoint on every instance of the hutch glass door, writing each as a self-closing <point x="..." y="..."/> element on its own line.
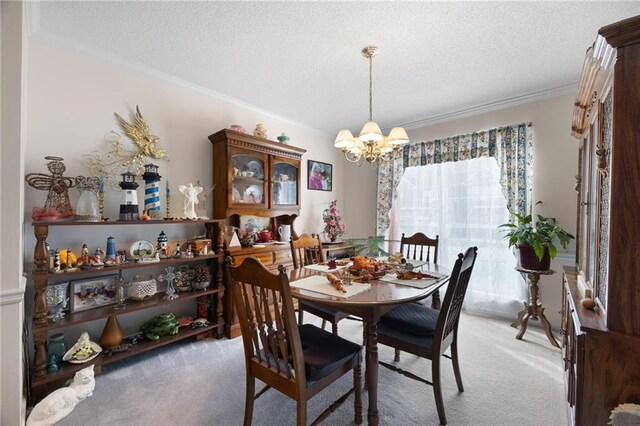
<point x="248" y="179"/>
<point x="285" y="182"/>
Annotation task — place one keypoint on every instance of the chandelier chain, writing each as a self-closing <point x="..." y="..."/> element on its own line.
<point x="370" y="87"/>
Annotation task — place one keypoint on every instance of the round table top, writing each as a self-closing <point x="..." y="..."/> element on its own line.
<point x="381" y="292"/>
<point x="535" y="271"/>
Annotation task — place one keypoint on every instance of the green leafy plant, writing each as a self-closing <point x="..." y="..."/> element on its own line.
<point x="541" y="233"/>
<point x="371" y="246"/>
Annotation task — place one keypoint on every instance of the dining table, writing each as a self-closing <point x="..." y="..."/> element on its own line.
<point x="370" y="305"/>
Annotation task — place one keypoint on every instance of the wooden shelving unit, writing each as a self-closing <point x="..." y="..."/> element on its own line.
<point x="41" y="326"/>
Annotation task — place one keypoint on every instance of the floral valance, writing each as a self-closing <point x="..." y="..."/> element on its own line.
<point x="511" y="146"/>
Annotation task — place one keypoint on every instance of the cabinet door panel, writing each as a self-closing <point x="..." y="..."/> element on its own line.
<point x="285" y="183"/>
<point x="248" y="178"/>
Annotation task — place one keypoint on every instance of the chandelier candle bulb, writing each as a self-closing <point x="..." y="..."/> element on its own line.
<point x="371" y="145"/>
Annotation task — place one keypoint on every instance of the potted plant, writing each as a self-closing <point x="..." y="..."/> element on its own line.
<point x="535" y="240"/>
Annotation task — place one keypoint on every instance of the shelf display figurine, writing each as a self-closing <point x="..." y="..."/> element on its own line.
<point x="260" y="131"/>
<point x="162" y="246"/>
<point x="85" y="257"/>
<point x="69" y="264"/>
<point x="57" y="204"/>
<point x="88" y="208"/>
<point x="61" y="402"/>
<point x="121" y="293"/>
<point x="168" y="202"/>
<point x="169" y="276"/>
<point x="152" y="191"/>
<point x="111" y="248"/>
<point x="56" y="262"/>
<point x="176" y="251"/>
<point x="190" y="193"/>
<point x="129" y="205"/>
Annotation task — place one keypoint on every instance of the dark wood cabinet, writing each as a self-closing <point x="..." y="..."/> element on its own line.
<point x="255" y="177"/>
<point x="601" y="347"/>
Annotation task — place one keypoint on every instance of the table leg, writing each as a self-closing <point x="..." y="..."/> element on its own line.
<point x="372" y="372"/>
<point x="547" y="328"/>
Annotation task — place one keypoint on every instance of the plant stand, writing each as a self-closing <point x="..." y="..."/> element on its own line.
<point x="533" y="310"/>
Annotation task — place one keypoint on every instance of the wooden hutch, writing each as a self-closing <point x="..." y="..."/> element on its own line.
<point x="255" y="177"/>
<point x="602" y="346"/>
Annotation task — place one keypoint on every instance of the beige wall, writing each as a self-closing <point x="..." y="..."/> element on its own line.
<point x="71" y="100"/>
<point x="555" y="165"/>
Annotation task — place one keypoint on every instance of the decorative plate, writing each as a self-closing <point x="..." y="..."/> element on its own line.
<point x="253" y="195"/>
<point x="142" y="248"/>
<point x="84" y="350"/>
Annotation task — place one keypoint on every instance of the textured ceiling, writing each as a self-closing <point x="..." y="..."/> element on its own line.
<point x="302" y="60"/>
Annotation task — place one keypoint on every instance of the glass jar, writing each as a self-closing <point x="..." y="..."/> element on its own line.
<point x="88" y="208"/>
<point x="55" y="351"/>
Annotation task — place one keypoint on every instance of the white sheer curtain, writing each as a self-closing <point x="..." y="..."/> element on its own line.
<point x="462" y="202"/>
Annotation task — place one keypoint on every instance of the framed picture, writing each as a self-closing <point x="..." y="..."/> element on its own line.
<point x="253" y="223"/>
<point x="319" y="176"/>
<point x="92" y="293"/>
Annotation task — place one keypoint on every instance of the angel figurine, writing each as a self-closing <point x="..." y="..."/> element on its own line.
<point x="57" y="203"/>
<point x="190" y="193"/>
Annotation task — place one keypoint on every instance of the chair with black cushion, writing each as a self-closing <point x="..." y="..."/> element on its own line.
<point x="307" y="250"/>
<point x="420" y="247"/>
<point x="427" y="332"/>
<point x="297" y="360"/>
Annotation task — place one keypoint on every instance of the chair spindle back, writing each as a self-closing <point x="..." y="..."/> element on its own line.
<point x="306" y="250"/>
<point x="453" y="299"/>
<point x="420" y="247"/>
<point x="264" y="306"/>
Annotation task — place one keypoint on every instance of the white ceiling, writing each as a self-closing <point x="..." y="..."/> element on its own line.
<point x="302" y="60"/>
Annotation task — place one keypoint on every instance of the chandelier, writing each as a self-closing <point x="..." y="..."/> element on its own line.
<point x="371" y="145"/>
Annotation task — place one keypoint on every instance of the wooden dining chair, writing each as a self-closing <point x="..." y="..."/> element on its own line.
<point x="297" y="360"/>
<point x="428" y="333"/>
<point x="420" y="247"/>
<point x="307" y="250"/>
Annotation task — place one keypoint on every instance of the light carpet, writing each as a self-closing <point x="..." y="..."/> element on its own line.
<point x="506" y="381"/>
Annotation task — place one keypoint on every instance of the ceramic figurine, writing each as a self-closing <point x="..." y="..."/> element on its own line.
<point x="97" y="257"/>
<point x="190" y="193"/>
<point x="176" y="250"/>
<point x="152" y="191"/>
<point x="162" y="247"/>
<point x="238" y="128"/>
<point x="69" y="266"/>
<point x="60" y="403"/>
<point x="111" y="248"/>
<point x="283" y="138"/>
<point x="260" y="131"/>
<point x="56" y="261"/>
<point x="85" y="257"/>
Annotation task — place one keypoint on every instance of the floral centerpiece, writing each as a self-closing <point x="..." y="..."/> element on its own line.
<point x="333" y="227"/>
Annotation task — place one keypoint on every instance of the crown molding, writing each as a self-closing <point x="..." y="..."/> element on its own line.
<point x="490" y="106"/>
<point x="68" y="44"/>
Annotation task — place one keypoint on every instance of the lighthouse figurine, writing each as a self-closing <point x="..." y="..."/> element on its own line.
<point x="129" y="206"/>
<point x="152" y="191"/>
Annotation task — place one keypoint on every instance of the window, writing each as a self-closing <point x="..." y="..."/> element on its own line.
<point x="462" y="202"/>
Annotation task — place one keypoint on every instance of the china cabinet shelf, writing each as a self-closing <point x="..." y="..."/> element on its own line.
<point x="248" y="180"/>
<point x="68" y="370"/>
<point x="81" y="317"/>
<point x="63" y="276"/>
